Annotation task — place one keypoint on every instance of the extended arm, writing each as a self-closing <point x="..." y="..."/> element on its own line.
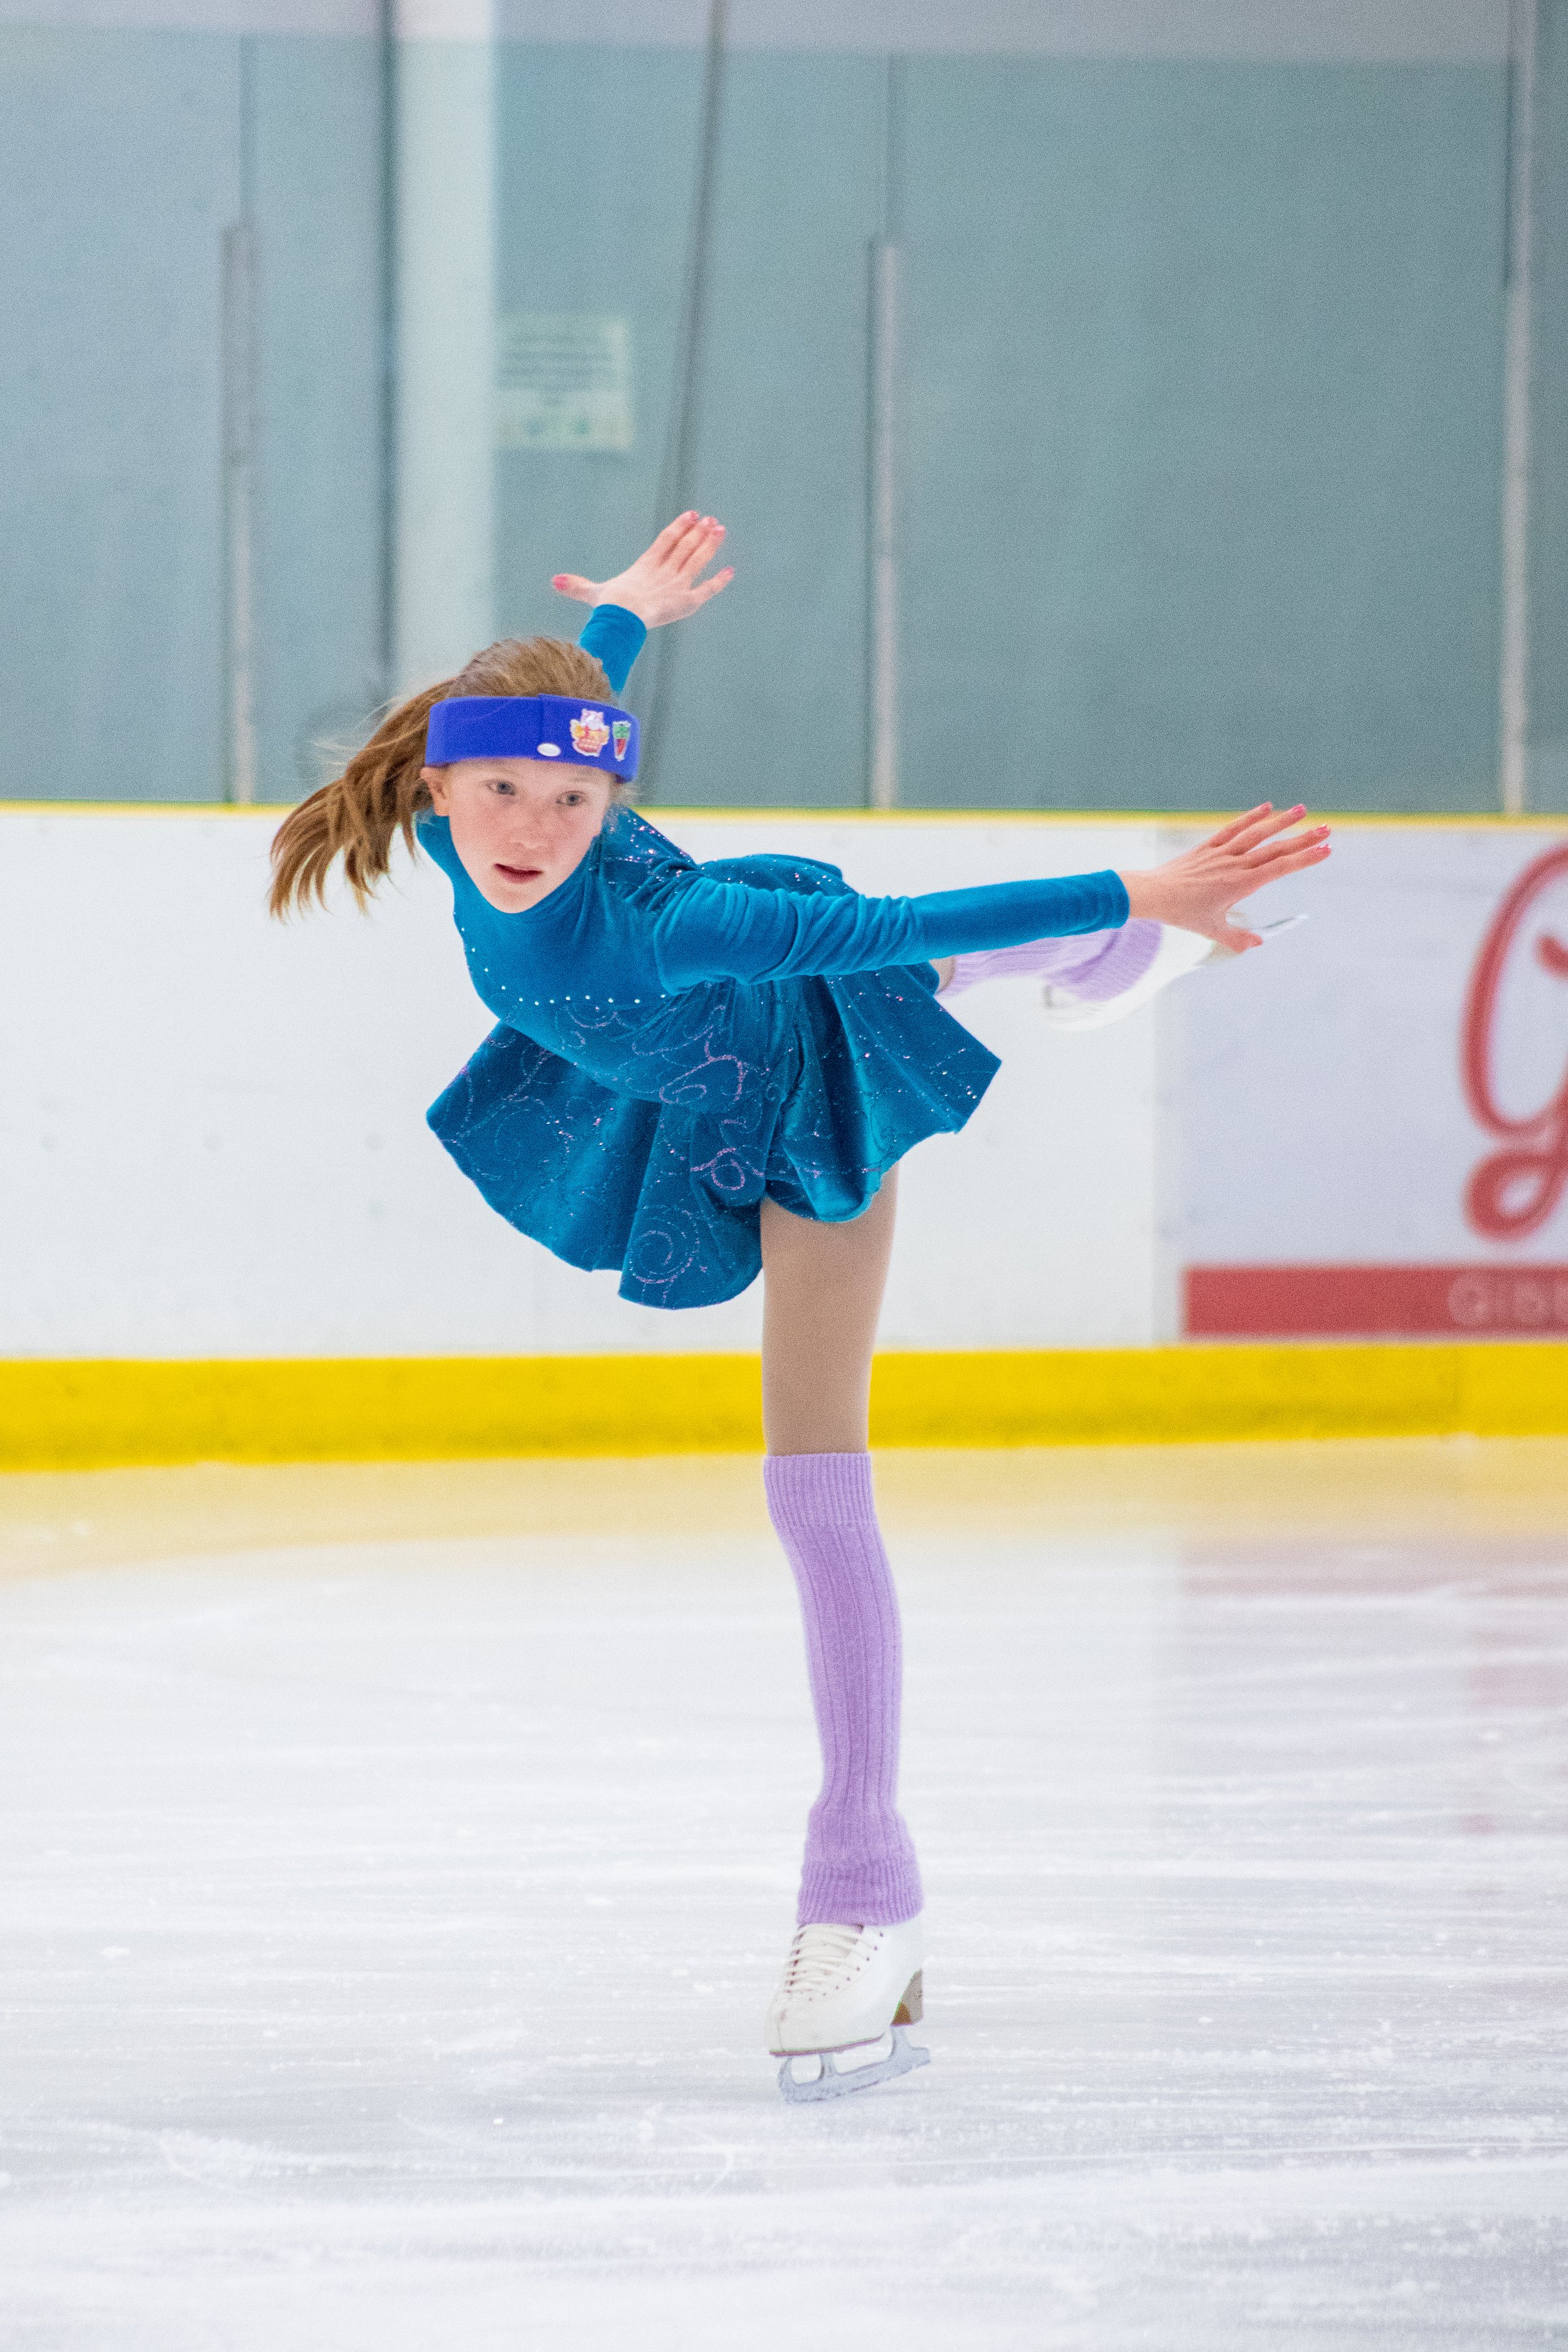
<point x="614" y="637"/>
<point x="711" y="930"/>
<point x="730" y="930"/>
<point x="664" y="584"/>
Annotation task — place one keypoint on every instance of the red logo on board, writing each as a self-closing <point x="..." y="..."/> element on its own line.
<point x="1513" y="1191"/>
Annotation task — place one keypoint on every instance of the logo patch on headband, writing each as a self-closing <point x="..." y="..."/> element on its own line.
<point x="590" y="734"/>
<point x="620" y="736"/>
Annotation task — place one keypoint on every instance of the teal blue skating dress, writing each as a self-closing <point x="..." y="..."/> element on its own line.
<point x="675" y="1041"/>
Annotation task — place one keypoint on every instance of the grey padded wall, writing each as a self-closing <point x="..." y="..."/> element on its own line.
<point x="124" y="148"/>
<point x="1547" y="730"/>
<point x="1204" y="421"/>
<point x="1200" y="395"/>
<point x="122" y="169"/>
<point x="1199" y="389"/>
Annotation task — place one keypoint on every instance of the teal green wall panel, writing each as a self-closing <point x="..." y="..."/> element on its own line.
<point x="766" y="690"/>
<point x="121" y="166"/>
<point x="607" y="234"/>
<point x="1547" y="685"/>
<point x="124" y="166"/>
<point x="316" y="109"/>
<point x="1200" y="412"/>
<point x="769" y="701"/>
<point x="1204" y="432"/>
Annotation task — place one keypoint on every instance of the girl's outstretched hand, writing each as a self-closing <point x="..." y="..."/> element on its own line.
<point x="1197" y="891"/>
<point x="663" y="583"/>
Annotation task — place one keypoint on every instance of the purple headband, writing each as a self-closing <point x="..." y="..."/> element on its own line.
<point x="532" y="727"/>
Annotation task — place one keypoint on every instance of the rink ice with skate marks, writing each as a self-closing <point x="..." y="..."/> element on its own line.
<point x="399" y="1860"/>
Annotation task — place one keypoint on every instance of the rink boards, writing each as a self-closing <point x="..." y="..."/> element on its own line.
<point x="215" y="1163"/>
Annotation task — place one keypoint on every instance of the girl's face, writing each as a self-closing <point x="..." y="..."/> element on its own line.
<point x="520" y="826"/>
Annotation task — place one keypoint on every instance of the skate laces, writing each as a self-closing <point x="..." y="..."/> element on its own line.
<point x="818" y="1955"/>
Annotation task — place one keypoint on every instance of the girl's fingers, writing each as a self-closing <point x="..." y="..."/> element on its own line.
<point x="662" y="554"/>
<point x="707" y="588"/>
<point x="1264" y="827"/>
<point x="692" y="527"/>
<point x="1228" y="833"/>
<point x="672" y="534"/>
<point x="1294" y="862"/>
<point x="691" y="536"/>
<point x="715" y="540"/>
<point x="1292" y="829"/>
<point x="1268" y="853"/>
<point x="571" y="583"/>
<point x="700" y="548"/>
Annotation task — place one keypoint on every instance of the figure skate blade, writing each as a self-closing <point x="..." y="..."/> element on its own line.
<point x="830" y="2074"/>
<point x="1278" y="923"/>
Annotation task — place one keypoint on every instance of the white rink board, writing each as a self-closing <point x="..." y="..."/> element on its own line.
<point x="1326" y="1098"/>
<point x="213" y="1144"/>
<point x="213" y="1141"/>
<point x="1369" y="1123"/>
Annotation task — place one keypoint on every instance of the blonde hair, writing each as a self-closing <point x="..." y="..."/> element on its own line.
<point x="381" y="793"/>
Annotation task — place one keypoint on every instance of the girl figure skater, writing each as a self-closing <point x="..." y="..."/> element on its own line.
<point x="705" y="1072"/>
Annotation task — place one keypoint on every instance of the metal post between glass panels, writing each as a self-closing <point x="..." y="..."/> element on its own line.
<point x="883" y="781"/>
<point x="443" y="419"/>
<point x="240" y="356"/>
<point x="1513" y="695"/>
<point x="884" y="288"/>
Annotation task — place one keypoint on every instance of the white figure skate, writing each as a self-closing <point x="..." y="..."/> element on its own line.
<point x="837" y="2019"/>
<point x="1178" y="953"/>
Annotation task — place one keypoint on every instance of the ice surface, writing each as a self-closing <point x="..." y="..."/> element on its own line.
<point x="390" y="1925"/>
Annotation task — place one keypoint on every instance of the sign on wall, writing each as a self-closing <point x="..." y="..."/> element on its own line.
<point x="564" y="380"/>
<point x="1376" y="1110"/>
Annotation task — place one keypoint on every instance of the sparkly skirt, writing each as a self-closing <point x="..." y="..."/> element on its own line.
<point x="804" y="1090"/>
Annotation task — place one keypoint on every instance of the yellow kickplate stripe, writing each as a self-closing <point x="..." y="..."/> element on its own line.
<point x="84" y="1415"/>
<point x="375" y="1408"/>
<point x="1117" y="1396"/>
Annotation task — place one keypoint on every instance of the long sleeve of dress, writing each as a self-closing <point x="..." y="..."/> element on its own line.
<point x="615" y="639"/>
<point x="731" y="930"/>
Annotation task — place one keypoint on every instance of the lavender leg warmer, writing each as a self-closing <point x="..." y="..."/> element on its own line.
<point x="1096" y="965"/>
<point x="860" y="1868"/>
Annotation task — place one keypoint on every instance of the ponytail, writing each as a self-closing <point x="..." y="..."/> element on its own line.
<point x="359" y="814"/>
<point x="381" y="791"/>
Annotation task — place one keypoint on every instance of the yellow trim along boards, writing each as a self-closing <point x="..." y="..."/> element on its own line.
<point x="87" y="1414"/>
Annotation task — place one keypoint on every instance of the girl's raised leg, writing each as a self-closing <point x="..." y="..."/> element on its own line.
<point x="1095" y="966"/>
